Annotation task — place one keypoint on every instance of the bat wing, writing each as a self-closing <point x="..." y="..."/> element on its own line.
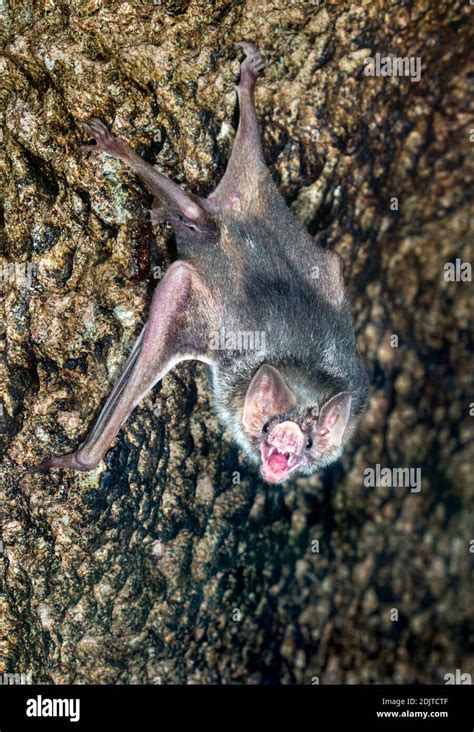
<point x="182" y="315"/>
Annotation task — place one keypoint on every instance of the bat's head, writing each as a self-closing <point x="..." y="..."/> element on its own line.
<point x="289" y="437"/>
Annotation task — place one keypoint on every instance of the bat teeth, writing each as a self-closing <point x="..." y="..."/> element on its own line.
<point x="277" y="449"/>
<point x="290" y="457"/>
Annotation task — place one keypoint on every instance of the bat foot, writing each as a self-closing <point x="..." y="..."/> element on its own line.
<point x="252" y="66"/>
<point x="104" y="140"/>
<point x="61" y="461"/>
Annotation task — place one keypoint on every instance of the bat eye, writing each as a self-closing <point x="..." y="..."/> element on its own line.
<point x="309" y="444"/>
<point x="265" y="427"/>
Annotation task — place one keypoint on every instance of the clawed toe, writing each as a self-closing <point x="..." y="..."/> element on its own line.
<point x="104" y="140"/>
<point x="257" y="63"/>
<point x="250" y="49"/>
<point x="94" y="127"/>
<point x="253" y="64"/>
<point x="252" y="53"/>
<point x="97" y="124"/>
<point x="97" y="129"/>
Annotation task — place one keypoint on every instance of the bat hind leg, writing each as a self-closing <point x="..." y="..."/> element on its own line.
<point x="179" y="206"/>
<point x="248" y="135"/>
<point x="246" y="164"/>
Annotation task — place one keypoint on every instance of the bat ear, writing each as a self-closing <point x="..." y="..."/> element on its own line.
<point x="267" y="396"/>
<point x="334" y="417"/>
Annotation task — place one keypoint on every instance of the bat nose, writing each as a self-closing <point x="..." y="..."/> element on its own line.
<point x="287" y="436"/>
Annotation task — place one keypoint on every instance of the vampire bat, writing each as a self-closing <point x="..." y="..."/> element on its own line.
<point x="246" y="266"/>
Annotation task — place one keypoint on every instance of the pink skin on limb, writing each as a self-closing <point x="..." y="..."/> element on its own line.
<point x="282" y="451"/>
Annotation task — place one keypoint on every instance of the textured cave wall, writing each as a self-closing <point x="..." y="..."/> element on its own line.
<point x="159" y="567"/>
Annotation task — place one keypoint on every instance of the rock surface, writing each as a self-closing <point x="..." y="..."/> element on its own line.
<point x="159" y="567"/>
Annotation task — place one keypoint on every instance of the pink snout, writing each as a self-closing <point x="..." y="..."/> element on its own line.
<point x="287" y="437"/>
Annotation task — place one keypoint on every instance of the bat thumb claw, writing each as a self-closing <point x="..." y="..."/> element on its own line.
<point x="62" y="461"/>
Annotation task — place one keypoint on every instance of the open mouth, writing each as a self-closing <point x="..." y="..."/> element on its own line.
<point x="277" y="464"/>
